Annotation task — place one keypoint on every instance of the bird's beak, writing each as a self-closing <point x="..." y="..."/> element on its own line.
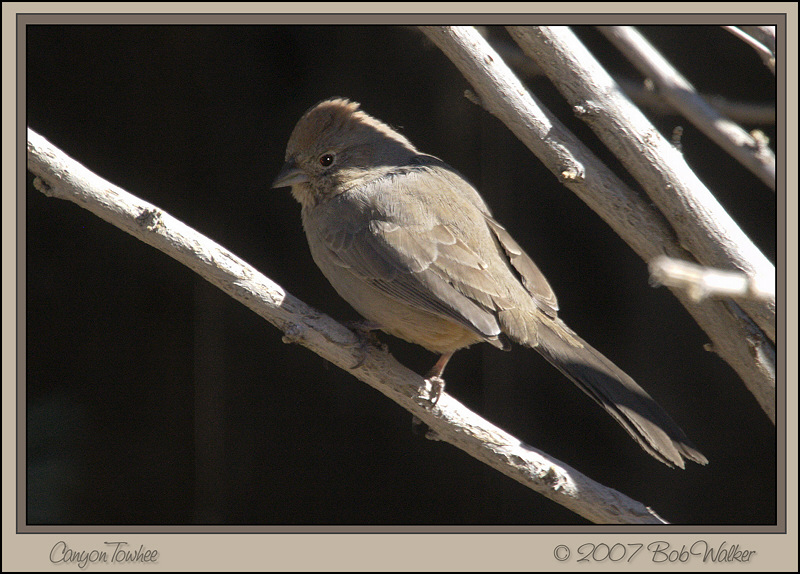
<point x="289" y="175"/>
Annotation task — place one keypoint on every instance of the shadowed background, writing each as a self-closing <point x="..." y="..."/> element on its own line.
<point x="153" y="398"/>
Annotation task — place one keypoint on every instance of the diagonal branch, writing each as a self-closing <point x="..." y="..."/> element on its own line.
<point x="60" y="176"/>
<point x="681" y="94"/>
<point x="765" y="52"/>
<point x="703" y="226"/>
<point x="734" y="336"/>
<point x="644" y="93"/>
<point x="764" y="35"/>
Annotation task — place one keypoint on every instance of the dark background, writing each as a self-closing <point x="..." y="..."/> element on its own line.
<point x="153" y="398"/>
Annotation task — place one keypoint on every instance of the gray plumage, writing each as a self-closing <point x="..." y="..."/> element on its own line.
<point x="413" y="248"/>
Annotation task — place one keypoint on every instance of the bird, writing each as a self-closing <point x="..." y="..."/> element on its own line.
<point x="412" y="246"/>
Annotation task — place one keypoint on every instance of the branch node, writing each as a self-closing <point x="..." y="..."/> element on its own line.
<point x="573" y="174"/>
<point x="474" y="98"/>
<point x="550" y="476"/>
<point x="292" y="333"/>
<point x="761" y="144"/>
<point x="586" y="109"/>
<point x="675" y="139"/>
<point x="150" y="219"/>
<point x="43" y="186"/>
<point x="433" y="435"/>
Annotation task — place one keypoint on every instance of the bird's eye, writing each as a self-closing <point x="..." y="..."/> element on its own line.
<point x="326" y="160"/>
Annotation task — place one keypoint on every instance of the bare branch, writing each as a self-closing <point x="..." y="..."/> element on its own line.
<point x="757" y="158"/>
<point x="767" y="55"/>
<point x="701" y="282"/>
<point x="703" y="226"/>
<point x="752" y="113"/>
<point x="503" y="95"/>
<point x="633" y="218"/>
<point x="762" y="34"/>
<point x="59" y="176"/>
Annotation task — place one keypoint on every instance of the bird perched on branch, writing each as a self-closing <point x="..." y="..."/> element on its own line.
<point x="414" y="249"/>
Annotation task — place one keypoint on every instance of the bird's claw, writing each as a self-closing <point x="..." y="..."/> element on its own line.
<point x="430" y="393"/>
<point x="365" y="332"/>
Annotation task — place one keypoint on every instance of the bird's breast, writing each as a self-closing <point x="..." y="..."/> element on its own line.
<point x="435" y="333"/>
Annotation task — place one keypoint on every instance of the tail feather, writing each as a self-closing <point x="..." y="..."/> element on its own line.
<point x="617" y="393"/>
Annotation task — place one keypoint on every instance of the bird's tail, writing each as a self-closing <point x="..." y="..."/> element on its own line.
<point x="616" y="392"/>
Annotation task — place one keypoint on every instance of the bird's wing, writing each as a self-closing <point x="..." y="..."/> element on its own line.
<point x="407" y="245"/>
<point x="530" y="276"/>
<point x="523" y="266"/>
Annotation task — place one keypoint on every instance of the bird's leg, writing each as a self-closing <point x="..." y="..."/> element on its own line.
<point x="434" y="383"/>
<point x="429" y="395"/>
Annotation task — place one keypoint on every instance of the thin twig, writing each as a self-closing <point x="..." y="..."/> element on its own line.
<point x="634" y="219"/>
<point x="767" y="56"/>
<point x="765" y="35"/>
<point x="701" y="282"/>
<point x="681" y="94"/>
<point x="60" y="176"/>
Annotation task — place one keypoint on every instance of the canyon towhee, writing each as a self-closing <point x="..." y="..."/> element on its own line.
<point x="413" y="248"/>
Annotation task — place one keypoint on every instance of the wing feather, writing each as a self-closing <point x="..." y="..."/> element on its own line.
<point x="406" y="244"/>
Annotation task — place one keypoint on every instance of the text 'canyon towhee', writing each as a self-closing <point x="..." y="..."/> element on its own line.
<point x="413" y="248"/>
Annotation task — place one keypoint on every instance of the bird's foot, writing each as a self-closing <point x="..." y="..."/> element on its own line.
<point x="430" y="393"/>
<point x="365" y="332"/>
